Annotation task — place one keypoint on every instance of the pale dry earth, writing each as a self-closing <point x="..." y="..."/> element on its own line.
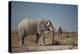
<point x="64" y="42"/>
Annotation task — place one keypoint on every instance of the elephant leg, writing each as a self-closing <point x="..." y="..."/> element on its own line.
<point x="20" y="38"/>
<point x="20" y="41"/>
<point x="37" y="39"/>
<point x="23" y="40"/>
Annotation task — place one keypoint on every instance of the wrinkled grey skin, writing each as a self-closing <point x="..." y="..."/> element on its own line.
<point x="33" y="26"/>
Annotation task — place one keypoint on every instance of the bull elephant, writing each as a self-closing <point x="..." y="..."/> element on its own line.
<point x="33" y="26"/>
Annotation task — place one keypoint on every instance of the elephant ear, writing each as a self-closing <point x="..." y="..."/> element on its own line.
<point x="42" y="25"/>
<point x="44" y="22"/>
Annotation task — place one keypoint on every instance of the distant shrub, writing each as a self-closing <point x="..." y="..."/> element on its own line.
<point x="57" y="43"/>
<point x="75" y="44"/>
<point x="68" y="36"/>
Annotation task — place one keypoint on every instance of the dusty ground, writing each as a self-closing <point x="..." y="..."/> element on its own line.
<point x="67" y="40"/>
<point x="42" y="48"/>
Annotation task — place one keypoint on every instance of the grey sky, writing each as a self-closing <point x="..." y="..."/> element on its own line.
<point x="60" y="14"/>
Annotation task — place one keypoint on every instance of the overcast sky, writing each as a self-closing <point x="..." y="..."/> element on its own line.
<point x="62" y="15"/>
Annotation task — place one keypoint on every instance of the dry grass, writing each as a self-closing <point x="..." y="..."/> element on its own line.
<point x="66" y="39"/>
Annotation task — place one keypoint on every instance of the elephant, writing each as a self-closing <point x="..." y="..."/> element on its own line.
<point x="33" y="26"/>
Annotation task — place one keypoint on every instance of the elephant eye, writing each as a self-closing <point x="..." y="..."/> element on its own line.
<point x="48" y="23"/>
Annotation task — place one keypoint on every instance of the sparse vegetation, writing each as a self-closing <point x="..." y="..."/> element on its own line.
<point x="67" y="36"/>
<point x="65" y="39"/>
